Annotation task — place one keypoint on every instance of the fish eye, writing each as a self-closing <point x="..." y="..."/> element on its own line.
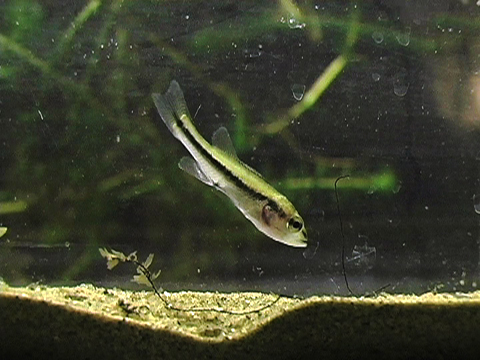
<point x="295" y="224"/>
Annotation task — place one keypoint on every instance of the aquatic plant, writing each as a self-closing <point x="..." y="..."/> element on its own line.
<point x="145" y="277"/>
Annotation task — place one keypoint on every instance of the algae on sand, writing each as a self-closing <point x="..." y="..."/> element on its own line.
<point x="89" y="322"/>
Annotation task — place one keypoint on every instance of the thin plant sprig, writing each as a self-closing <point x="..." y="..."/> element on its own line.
<point x="146" y="277"/>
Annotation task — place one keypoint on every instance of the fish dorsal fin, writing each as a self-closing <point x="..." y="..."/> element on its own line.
<point x="190" y="166"/>
<point x="221" y="139"/>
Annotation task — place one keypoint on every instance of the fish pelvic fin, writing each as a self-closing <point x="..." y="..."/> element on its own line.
<point x="190" y="166"/>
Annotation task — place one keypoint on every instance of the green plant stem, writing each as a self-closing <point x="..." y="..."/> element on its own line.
<point x="333" y="70"/>
<point x="77" y="24"/>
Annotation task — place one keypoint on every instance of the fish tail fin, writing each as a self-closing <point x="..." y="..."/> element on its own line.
<point x="172" y="107"/>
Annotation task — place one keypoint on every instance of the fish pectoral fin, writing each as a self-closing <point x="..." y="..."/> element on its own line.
<point x="190" y="166"/>
<point x="221" y="140"/>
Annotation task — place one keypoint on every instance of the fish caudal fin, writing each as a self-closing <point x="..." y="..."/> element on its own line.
<point x="172" y="107"/>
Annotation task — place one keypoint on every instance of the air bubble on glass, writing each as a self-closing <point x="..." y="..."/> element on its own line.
<point x="403" y="38"/>
<point x="400" y="84"/>
<point x="298" y="90"/>
<point x="476" y="203"/>
<point x="377" y="37"/>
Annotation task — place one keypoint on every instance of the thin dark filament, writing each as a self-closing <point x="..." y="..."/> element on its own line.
<point x="343" y="235"/>
<point x="148" y="276"/>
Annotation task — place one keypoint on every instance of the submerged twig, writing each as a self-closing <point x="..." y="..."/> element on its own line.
<point x="146" y="277"/>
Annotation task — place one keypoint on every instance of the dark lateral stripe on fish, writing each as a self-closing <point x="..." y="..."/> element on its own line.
<point x="220" y="167"/>
<point x="276" y="208"/>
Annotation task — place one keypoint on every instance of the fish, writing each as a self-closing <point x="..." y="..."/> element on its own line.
<point x="218" y="165"/>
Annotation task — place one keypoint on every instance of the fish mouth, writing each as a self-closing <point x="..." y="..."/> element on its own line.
<point x="298" y="243"/>
<point x="302" y="243"/>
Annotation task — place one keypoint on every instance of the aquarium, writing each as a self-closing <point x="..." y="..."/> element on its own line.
<point x="363" y="119"/>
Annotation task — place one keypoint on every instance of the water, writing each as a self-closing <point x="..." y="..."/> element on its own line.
<point x="86" y="162"/>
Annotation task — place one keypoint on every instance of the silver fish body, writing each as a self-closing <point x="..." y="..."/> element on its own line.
<point x="217" y="165"/>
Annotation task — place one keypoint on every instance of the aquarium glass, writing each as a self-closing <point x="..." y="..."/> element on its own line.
<point x="365" y="115"/>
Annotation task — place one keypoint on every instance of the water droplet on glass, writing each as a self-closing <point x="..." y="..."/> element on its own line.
<point x="375" y="77"/>
<point x="403" y="38"/>
<point x="476" y="204"/>
<point x="294" y="23"/>
<point x="400" y="84"/>
<point x="298" y="90"/>
<point x="377" y="37"/>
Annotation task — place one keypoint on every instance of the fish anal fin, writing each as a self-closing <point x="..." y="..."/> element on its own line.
<point x="190" y="166"/>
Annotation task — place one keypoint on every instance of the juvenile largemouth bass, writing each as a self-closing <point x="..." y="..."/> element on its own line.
<point x="217" y="165"/>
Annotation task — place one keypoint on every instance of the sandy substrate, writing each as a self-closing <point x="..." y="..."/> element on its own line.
<point x="86" y="322"/>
